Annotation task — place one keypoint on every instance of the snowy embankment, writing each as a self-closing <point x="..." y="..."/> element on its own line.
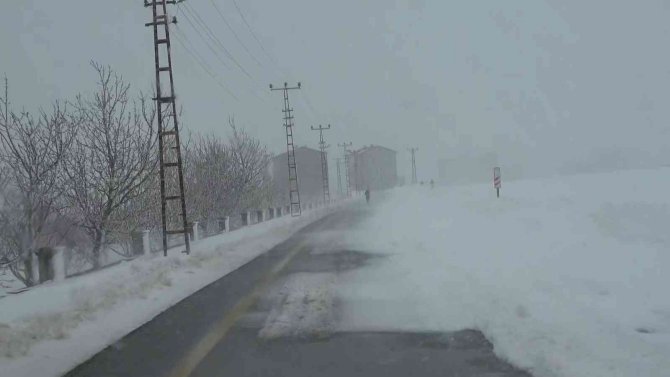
<point x="52" y="328"/>
<point x="566" y="276"/>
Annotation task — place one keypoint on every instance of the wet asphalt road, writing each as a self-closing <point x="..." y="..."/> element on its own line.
<point x="237" y="325"/>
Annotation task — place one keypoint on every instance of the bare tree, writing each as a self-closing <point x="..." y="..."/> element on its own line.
<point x="208" y="173"/>
<point x="112" y="159"/>
<point x="250" y="183"/>
<point x="225" y="176"/>
<point x="31" y="149"/>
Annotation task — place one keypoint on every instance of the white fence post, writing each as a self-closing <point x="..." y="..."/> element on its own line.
<point x="58" y="263"/>
<point x="196" y="233"/>
<point x="146" y="242"/>
<point x="35" y="267"/>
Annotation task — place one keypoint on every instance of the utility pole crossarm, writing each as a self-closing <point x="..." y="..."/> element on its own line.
<point x="158" y="2"/>
<point x="285" y="87"/>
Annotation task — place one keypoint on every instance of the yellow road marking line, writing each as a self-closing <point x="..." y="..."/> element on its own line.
<point x="220" y="329"/>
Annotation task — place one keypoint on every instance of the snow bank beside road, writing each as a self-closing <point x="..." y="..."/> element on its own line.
<point x="567" y="277"/>
<point x="52" y="328"/>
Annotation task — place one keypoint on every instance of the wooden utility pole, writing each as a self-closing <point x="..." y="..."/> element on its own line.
<point x="173" y="202"/>
<point x="294" y="192"/>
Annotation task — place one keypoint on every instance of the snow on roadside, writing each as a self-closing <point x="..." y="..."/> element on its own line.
<point x="52" y="328"/>
<point x="567" y="277"/>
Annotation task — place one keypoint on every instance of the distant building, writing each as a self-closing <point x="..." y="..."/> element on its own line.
<point x="310" y="184"/>
<point x="476" y="168"/>
<point x="373" y="167"/>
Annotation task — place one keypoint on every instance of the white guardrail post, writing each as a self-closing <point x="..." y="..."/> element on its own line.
<point x="58" y="263"/>
<point x="196" y="232"/>
<point x="146" y="242"/>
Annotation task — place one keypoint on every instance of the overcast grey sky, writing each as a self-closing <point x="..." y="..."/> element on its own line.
<point x="560" y="84"/>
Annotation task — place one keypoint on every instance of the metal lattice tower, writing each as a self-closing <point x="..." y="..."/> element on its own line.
<point x="294" y="192"/>
<point x="173" y="203"/>
<point x="324" y="162"/>
<point x="339" y="175"/>
<point x="413" y="152"/>
<point x="346" y="154"/>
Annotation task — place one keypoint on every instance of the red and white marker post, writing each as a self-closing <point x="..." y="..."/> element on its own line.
<point x="497" y="181"/>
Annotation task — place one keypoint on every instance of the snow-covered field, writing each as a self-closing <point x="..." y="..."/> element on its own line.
<point x="52" y="328"/>
<point x="566" y="276"/>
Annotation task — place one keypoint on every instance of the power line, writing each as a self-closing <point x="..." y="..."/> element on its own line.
<point x="244" y="19"/>
<point x="281" y="71"/>
<point x="193" y="17"/>
<point x="205" y="67"/>
<point x="190" y="49"/>
<point x="307" y="102"/>
<point x="212" y="36"/>
<point x="218" y="10"/>
<point x="304" y="97"/>
<point x="207" y="43"/>
<point x="202" y="59"/>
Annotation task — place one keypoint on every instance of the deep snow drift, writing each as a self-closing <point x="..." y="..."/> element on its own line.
<point x="52" y="328"/>
<point x="566" y="276"/>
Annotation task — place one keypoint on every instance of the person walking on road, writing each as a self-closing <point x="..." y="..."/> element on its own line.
<point x="367" y="195"/>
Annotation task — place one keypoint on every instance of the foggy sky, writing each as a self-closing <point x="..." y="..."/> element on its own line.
<point x="548" y="86"/>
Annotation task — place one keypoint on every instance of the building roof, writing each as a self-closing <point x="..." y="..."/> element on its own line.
<point x="304" y="148"/>
<point x="371" y="147"/>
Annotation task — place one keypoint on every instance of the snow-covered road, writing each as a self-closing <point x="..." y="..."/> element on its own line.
<point x="278" y="315"/>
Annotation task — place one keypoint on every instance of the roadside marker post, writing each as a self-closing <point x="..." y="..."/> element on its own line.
<point x="497" y="180"/>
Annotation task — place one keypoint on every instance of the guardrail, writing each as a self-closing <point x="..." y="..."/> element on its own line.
<point x="148" y="241"/>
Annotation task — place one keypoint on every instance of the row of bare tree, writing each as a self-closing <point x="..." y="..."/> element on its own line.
<point x="231" y="173"/>
<point x="84" y="173"/>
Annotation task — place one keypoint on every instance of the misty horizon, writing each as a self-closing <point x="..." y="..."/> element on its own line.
<point x="548" y="87"/>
